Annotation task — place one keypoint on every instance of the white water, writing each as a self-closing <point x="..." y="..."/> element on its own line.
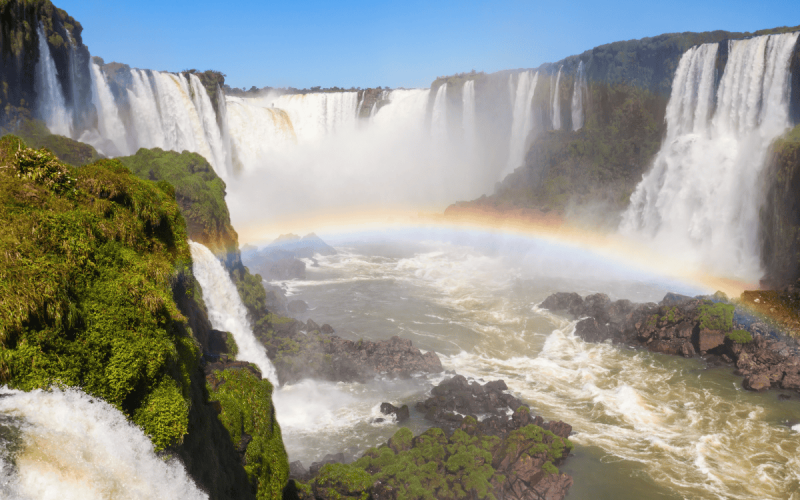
<point x="75" y="447"/>
<point x="226" y="311"/>
<point x="317" y="115"/>
<point x="109" y="123"/>
<point x="647" y="425"/>
<point x="703" y="194"/>
<point x="439" y="114"/>
<point x="522" y="120"/>
<point x="211" y="131"/>
<point x="51" y="106"/>
<point x="468" y="113"/>
<point x="579" y="89"/>
<point x="557" y="102"/>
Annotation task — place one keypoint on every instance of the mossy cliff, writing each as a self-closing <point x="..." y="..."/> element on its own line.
<point x="36" y="135"/>
<point x="200" y="194"/>
<point x="19" y="54"/>
<point x="95" y="288"/>
<point x="780" y="215"/>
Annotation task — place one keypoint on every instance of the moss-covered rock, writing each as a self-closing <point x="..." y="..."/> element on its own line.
<point x="87" y="261"/>
<point x="249" y="416"/>
<point x="36" y="135"/>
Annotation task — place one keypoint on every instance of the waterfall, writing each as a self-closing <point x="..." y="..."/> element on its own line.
<point x="557" y="102"/>
<point x="257" y="130"/>
<point x="109" y="123"/>
<point x="144" y="111"/>
<point x="51" y="106"/>
<point x="360" y="104"/>
<point x="226" y="311"/>
<point x="702" y="195"/>
<point x="317" y="115"/>
<point x="580" y="87"/>
<point x="439" y="114"/>
<point x="468" y="113"/>
<point x="211" y="131"/>
<point x="522" y="119"/>
<point x="233" y="163"/>
<point x="66" y="445"/>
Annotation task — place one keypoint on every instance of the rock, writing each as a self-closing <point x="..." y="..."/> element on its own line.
<point x="784" y="397"/>
<point x="210" y="368"/>
<point x="569" y="302"/>
<point x="244" y="441"/>
<point x="331" y="458"/>
<point x="311" y="326"/>
<point x="591" y="331"/>
<point x="401" y="414"/>
<point x="709" y="339"/>
<point x="326" y="329"/>
<point x="456" y="396"/>
<point x="791" y="381"/>
<point x="298" y="471"/>
<point x="756" y="382"/>
<point x="297" y="307"/>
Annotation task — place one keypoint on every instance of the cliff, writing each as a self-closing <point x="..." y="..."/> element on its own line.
<point x="19" y="55"/>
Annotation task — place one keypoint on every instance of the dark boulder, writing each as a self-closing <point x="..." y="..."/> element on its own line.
<point x="401" y="414"/>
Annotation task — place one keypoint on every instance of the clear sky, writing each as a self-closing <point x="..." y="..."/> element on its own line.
<point x="395" y="44"/>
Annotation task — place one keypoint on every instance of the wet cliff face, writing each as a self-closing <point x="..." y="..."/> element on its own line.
<point x="19" y="54"/>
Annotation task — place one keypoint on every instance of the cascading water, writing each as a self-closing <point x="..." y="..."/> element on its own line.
<point x="109" y="123"/>
<point x="67" y="445"/>
<point x="144" y="111"/>
<point x="439" y="114"/>
<point x="702" y="196"/>
<point x="211" y="130"/>
<point x="226" y="311"/>
<point x="557" y="102"/>
<point x="578" y="90"/>
<point x="468" y="113"/>
<point x="51" y="106"/>
<point x="522" y="119"/>
<point x="314" y="116"/>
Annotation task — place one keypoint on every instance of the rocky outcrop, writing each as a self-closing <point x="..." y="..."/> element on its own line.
<point x="401" y="414"/>
<point x="307" y="350"/>
<point x="456" y="398"/>
<point x="687" y="326"/>
<point x="518" y="464"/>
<point x="280" y="260"/>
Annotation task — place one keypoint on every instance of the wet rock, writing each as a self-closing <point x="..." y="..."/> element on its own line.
<point x="401" y="414"/>
<point x="210" y="368"/>
<point x="331" y="458"/>
<point x="456" y="397"/>
<point x="757" y="382"/>
<point x="326" y="329"/>
<point x="298" y="471"/>
<point x="311" y="326"/>
<point x="784" y="397"/>
<point x="709" y="339"/>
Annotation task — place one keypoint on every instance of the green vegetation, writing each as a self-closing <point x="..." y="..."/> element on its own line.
<point x="740" y="336"/>
<point x="246" y="403"/>
<point x="211" y="80"/>
<point x="87" y="261"/>
<point x="36" y="135"/>
<point x="252" y="292"/>
<point x="717" y="316"/>
<point x="342" y="481"/>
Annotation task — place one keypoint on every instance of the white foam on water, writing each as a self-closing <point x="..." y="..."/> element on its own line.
<point x="75" y="447"/>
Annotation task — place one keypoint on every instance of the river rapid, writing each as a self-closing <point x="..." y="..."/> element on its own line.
<point x="646" y="425"/>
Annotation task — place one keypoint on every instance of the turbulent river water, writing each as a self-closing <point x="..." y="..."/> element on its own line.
<point x="646" y="425"/>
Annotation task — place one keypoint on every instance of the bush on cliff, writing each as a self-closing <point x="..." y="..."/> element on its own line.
<point x="87" y="261"/>
<point x="36" y="135"/>
<point x="249" y="416"/>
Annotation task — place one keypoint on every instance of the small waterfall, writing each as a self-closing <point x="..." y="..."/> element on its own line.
<point x="702" y="196"/>
<point x="226" y="311"/>
<point x="231" y="158"/>
<point x="144" y="111"/>
<point x="51" y="106"/>
<point x="557" y="102"/>
<point x="211" y="131"/>
<point x="439" y="114"/>
<point x="522" y="119"/>
<point x="257" y="130"/>
<point x="580" y="87"/>
<point x="67" y="445"/>
<point x="468" y="113"/>
<point x="361" y="104"/>
<point x="109" y="123"/>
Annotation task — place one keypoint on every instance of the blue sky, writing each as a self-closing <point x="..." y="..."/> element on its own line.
<point x="394" y="44"/>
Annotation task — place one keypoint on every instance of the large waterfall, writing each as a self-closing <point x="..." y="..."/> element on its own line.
<point x="522" y="119"/>
<point x="226" y="311"/>
<point x="578" y="90"/>
<point x="66" y="445"/>
<point x="702" y="196"/>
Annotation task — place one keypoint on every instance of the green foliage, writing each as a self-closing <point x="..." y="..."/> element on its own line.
<point x="231" y="347"/>
<point x="340" y="481"/>
<point x="247" y="408"/>
<point x="36" y="135"/>
<point x="740" y="336"/>
<point x="717" y="316"/>
<point x="251" y="290"/>
<point x="200" y="194"/>
<point x="87" y="260"/>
